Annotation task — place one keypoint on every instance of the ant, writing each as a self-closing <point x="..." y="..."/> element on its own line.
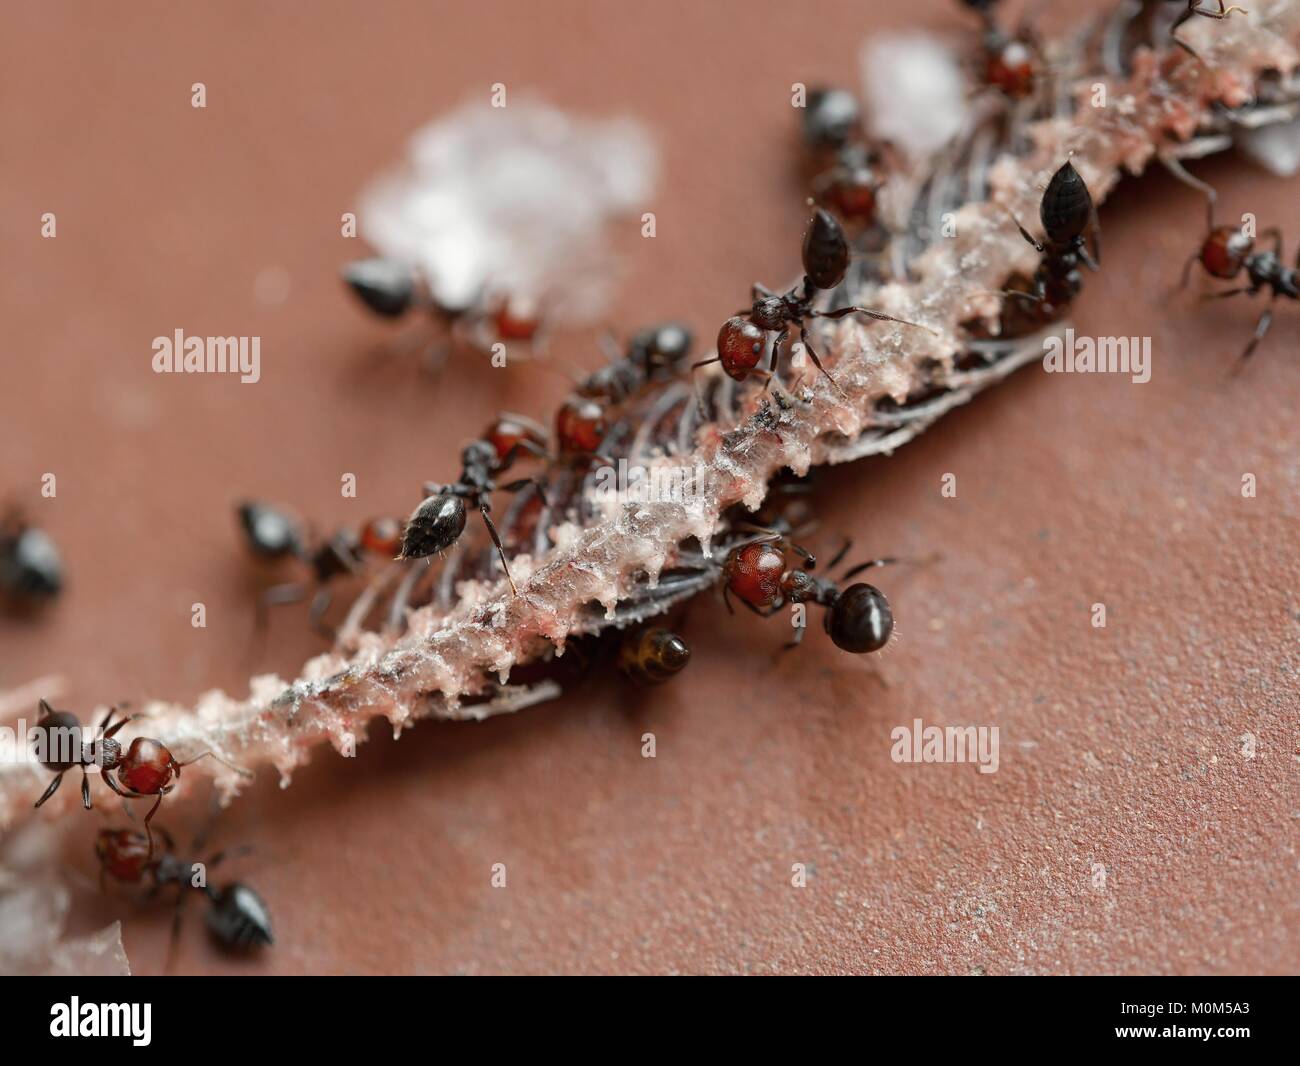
<point x="832" y="128"/>
<point x="275" y="535"/>
<point x="437" y="522"/>
<point x="825" y="262"/>
<point x="653" y="655"/>
<point x="1066" y="212"/>
<point x="1011" y="61"/>
<point x="146" y="768"/>
<point x="391" y="288"/>
<point x="238" y="918"/>
<point x="653" y="354"/>
<point x="30" y="567"/>
<point x="858" y="618"/>
<point x="1227" y="251"/>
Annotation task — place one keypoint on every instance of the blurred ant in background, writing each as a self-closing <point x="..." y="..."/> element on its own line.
<point x="30" y="568"/>
<point x="274" y="535"/>
<point x="1011" y="62"/>
<point x="655" y="353"/>
<point x="1190" y="8"/>
<point x="652" y="655"/>
<point x="1066" y="212"/>
<point x="237" y="918"/>
<point x="145" y="769"/>
<point x="849" y="167"/>
<point x="1227" y="251"/>
<point x="438" y="522"/>
<point x="858" y="618"/>
<point x="825" y="261"/>
<point x="390" y="289"/>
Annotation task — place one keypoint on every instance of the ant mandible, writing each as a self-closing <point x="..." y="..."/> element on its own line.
<point x="437" y="522"/>
<point x="1227" y="251"/>
<point x="858" y="618"/>
<point x="238" y="918"/>
<point x="825" y="262"/>
<point x="273" y="534"/>
<point x="146" y="768"/>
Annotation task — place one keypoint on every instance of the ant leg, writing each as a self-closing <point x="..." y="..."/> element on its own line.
<point x="812" y="352"/>
<point x="119" y="725"/>
<point x="174" y="940"/>
<point x="496" y="540"/>
<point x="855" y="571"/>
<point x="242" y="771"/>
<point x="1227" y="292"/>
<point x="1037" y="246"/>
<point x="85" y="789"/>
<point x="760" y="292"/>
<point x="1187" y="268"/>
<point x="275" y="596"/>
<point x="54" y="787"/>
<point x="781" y="338"/>
<point x="148" y="829"/>
<point x="111" y="782"/>
<point x="841" y="312"/>
<point x="523" y="483"/>
<point x="320" y="603"/>
<point x="1261" y="328"/>
<point x="839" y="555"/>
<point x="726" y="598"/>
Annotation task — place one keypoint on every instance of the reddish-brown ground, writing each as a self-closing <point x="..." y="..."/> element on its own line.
<point x="1121" y="748"/>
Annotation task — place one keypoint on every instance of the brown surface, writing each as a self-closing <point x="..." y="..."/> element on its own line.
<point x="1119" y="746"/>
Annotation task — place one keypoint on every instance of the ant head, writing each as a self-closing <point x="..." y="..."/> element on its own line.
<point x="768" y="313"/>
<point x="1011" y="65"/>
<point x="238" y="917"/>
<point x="433" y="526"/>
<point x="124" y="853"/>
<point x="825" y="251"/>
<point x="740" y="347"/>
<point x="270" y="532"/>
<point x="580" y="426"/>
<point x="1067" y="206"/>
<point x="1225" y="250"/>
<point x="382" y="537"/>
<point x="509" y="434"/>
<point x="385" y="286"/>
<point x="860" y="620"/>
<point x="831" y="118"/>
<point x="753" y="572"/>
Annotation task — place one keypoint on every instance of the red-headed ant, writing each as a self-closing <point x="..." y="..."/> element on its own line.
<point x="850" y="177"/>
<point x="238" y="917"/>
<point x="145" y="769"/>
<point x="1011" y="62"/>
<point x="1227" y="251"/>
<point x="274" y="535"/>
<point x="858" y="618"/>
<point x="30" y="567"/>
<point x="437" y="522"/>
<point x="825" y="262"/>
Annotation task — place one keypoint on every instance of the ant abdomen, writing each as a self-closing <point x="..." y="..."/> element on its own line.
<point x="1224" y="252"/>
<point x="433" y="526"/>
<point x="238" y="917"/>
<point x="1067" y="206"/>
<point x="825" y="251"/>
<point x="653" y="656"/>
<point x="860" y="621"/>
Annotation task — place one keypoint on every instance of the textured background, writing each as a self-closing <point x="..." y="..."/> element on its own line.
<point x="1119" y="746"/>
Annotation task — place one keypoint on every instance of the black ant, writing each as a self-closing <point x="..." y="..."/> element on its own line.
<point x="30" y="567"/>
<point x="146" y="768"/>
<point x="437" y="522"/>
<point x="825" y="262"/>
<point x="238" y="917"/>
<point x="1227" y="251"/>
<point x="653" y="354"/>
<point x="273" y="534"/>
<point x="1066" y="213"/>
<point x="1011" y="61"/>
<point x="858" y="618"/>
<point x="652" y="655"/>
